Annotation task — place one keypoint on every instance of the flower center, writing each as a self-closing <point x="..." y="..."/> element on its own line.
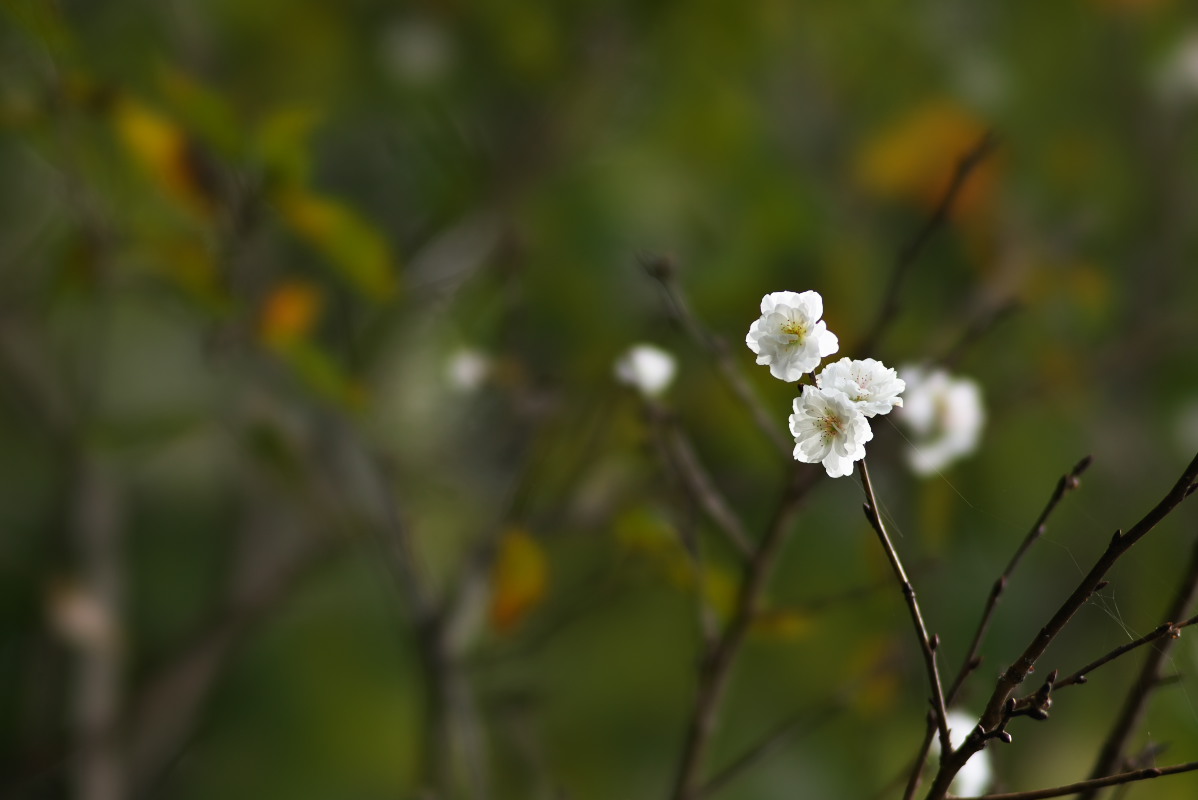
<point x="795" y="328"/>
<point x="830" y="425"/>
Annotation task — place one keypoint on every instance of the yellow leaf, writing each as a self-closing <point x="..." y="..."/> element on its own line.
<point x="290" y="312"/>
<point x="875" y="669"/>
<point x="166" y="154"/>
<point x="646" y="533"/>
<point x="782" y="623"/>
<point x="914" y="159"/>
<point x="323" y="373"/>
<point x="519" y="579"/>
<point x="359" y="251"/>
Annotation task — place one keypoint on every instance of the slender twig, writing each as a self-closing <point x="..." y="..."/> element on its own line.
<point x="1094" y="783"/>
<point x="907" y="257"/>
<point x="681" y="459"/>
<point x="662" y="270"/>
<point x="1132" y="712"/>
<point x="994" y="715"/>
<point x="1169" y="630"/>
<point x="717" y="663"/>
<point x="1067" y="482"/>
<point x="927" y="644"/>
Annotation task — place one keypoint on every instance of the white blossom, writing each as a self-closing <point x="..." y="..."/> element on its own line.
<point x="1176" y="78"/>
<point x="874" y="387"/>
<point x="467" y="369"/>
<point x="829" y="429"/>
<point x="789" y="335"/>
<point x="974" y="777"/>
<point x="944" y="415"/>
<point x="646" y="368"/>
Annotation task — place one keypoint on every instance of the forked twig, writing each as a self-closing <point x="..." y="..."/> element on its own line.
<point x="1149" y="679"/>
<point x="1067" y="482"/>
<point x="997" y="706"/>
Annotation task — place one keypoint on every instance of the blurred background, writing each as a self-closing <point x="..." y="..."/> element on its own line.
<point x="315" y="480"/>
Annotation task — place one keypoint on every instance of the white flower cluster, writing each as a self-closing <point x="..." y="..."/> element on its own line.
<point x="829" y="422"/>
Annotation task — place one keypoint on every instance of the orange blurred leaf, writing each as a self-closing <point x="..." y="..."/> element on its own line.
<point x="519" y="579"/>
<point x="290" y="312"/>
<point x="915" y="157"/>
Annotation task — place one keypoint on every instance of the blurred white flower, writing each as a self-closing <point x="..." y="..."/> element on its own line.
<point x="466" y="369"/>
<point x="418" y="51"/>
<point x="829" y="429"/>
<point x="974" y="777"/>
<point x="1177" y="77"/>
<point x="944" y="415"/>
<point x="789" y="335"/>
<point x="870" y="384"/>
<point x="646" y="368"/>
<point x="1186" y="427"/>
<point x="81" y="618"/>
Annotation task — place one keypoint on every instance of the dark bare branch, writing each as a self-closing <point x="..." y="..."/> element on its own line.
<point x="1098" y="783"/>
<point x="1067" y="482"/>
<point x="997" y="707"/>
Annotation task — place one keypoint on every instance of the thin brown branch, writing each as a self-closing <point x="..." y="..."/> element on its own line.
<point x="716" y="666"/>
<point x="1065" y="484"/>
<point x="927" y="644"/>
<point x="662" y="270"/>
<point x="1131" y="714"/>
<point x="1094" y="783"/>
<point x="1168" y="630"/>
<point x="907" y="257"/>
<point x="995" y="713"/>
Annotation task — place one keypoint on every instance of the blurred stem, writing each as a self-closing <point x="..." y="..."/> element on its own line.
<point x="100" y="772"/>
<point x="662" y="270"/>
<point x="717" y="662"/>
<point x="910" y="253"/>
<point x="679" y="457"/>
